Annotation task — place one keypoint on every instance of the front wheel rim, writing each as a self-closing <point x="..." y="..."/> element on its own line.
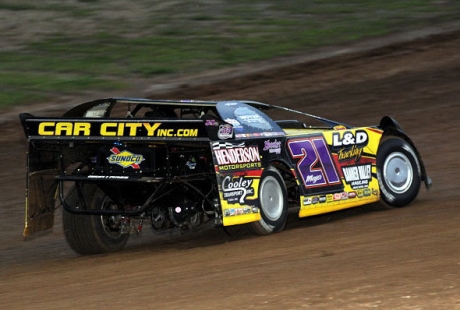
<point x="271" y="198"/>
<point x="398" y="172"/>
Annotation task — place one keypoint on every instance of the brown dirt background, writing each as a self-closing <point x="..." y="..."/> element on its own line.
<point x="370" y="257"/>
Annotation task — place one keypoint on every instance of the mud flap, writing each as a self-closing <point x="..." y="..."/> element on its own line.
<point x="40" y="199"/>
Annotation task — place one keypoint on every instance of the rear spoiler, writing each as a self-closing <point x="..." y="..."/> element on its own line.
<point x="127" y="129"/>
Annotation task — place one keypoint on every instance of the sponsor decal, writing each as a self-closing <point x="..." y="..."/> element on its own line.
<point x="211" y="122"/>
<point x="112" y="129"/>
<point x="226" y="145"/>
<point x="225" y="132"/>
<point x="191" y="164"/>
<point x="241" y="211"/>
<point x="244" y="166"/>
<point x="314" y="200"/>
<point x="64" y="129"/>
<point x="259" y="134"/>
<point x="351" y="195"/>
<point x="113" y="177"/>
<point x="353" y="153"/>
<point x="349" y="145"/>
<point x="358" y="176"/>
<point x="97" y="111"/>
<point x="236" y="156"/>
<point x="272" y="146"/>
<point x="329" y="198"/>
<point x="242" y="135"/>
<point x="177" y="133"/>
<point x="347" y="138"/>
<point x="233" y="122"/>
<point x="272" y="133"/>
<point x="125" y="158"/>
<point x="313" y="179"/>
<point x="236" y="190"/>
<point x="249" y="117"/>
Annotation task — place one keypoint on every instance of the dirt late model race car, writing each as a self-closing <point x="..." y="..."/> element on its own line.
<point x="115" y="163"/>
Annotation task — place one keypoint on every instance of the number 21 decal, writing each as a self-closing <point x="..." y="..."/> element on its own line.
<point x="314" y="164"/>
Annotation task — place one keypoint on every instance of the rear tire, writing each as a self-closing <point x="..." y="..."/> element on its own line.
<point x="273" y="203"/>
<point x="92" y="234"/>
<point x="398" y="172"/>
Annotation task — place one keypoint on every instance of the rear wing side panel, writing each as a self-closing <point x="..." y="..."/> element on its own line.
<point x="42" y="168"/>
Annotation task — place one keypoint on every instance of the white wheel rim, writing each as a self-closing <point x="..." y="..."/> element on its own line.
<point x="271" y="198"/>
<point x="398" y="172"/>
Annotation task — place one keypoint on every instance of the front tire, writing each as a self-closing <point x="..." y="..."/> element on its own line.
<point x="273" y="203"/>
<point x="93" y="234"/>
<point x="398" y="172"/>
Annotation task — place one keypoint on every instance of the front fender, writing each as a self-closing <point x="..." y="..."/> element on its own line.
<point x="391" y="127"/>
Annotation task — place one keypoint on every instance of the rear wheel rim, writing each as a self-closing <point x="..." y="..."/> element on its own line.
<point x="398" y="172"/>
<point x="271" y="198"/>
<point x="111" y="224"/>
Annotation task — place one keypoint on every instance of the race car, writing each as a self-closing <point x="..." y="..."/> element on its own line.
<point x="115" y="163"/>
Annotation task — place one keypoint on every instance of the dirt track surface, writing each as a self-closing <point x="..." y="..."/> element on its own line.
<point x="361" y="258"/>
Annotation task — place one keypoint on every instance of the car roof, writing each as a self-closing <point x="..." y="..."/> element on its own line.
<point x="80" y="109"/>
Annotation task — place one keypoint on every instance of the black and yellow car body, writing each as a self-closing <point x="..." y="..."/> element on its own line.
<point x="114" y="163"/>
